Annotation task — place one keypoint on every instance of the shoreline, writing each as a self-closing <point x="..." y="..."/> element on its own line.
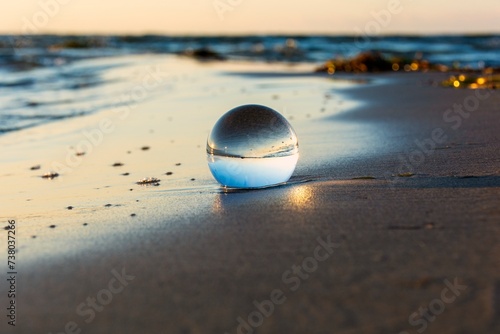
<point x="201" y="257"/>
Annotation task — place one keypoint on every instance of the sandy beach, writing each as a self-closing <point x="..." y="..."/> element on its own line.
<point x="390" y="223"/>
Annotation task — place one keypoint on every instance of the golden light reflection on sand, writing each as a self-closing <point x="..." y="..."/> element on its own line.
<point x="301" y="196"/>
<point x="297" y="196"/>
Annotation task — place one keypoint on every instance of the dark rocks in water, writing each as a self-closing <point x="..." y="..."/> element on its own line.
<point x="76" y="42"/>
<point x="203" y="53"/>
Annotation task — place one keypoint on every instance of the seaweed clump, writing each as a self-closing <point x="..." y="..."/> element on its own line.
<point x="487" y="79"/>
<point x="373" y="62"/>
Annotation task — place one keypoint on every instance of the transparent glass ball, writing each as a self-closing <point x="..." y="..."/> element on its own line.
<point x="252" y="146"/>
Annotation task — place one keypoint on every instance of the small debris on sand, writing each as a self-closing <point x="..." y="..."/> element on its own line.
<point x="69" y="207"/>
<point x="117" y="164"/>
<point x="178" y="164"/>
<point x="52" y="226"/>
<point x="133" y="215"/>
<point x="50" y="175"/>
<point x="169" y="173"/>
<point x="79" y="154"/>
<point x="149" y="181"/>
<point x="126" y="174"/>
<point x="37" y="167"/>
<point x="108" y="205"/>
<point x="145" y="148"/>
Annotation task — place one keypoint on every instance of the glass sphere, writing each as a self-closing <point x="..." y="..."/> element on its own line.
<point x="252" y="146"/>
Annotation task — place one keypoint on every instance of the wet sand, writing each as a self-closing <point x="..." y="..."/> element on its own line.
<point x="422" y="233"/>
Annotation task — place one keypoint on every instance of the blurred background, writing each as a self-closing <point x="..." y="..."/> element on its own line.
<point x="46" y="45"/>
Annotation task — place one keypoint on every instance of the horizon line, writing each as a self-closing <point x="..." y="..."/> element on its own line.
<point x="247" y="34"/>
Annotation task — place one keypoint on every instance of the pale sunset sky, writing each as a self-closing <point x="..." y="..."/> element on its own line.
<point x="248" y="16"/>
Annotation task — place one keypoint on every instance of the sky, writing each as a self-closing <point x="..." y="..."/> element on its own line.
<point x="249" y="16"/>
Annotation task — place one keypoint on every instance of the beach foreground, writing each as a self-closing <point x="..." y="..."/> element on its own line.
<point x="393" y="209"/>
